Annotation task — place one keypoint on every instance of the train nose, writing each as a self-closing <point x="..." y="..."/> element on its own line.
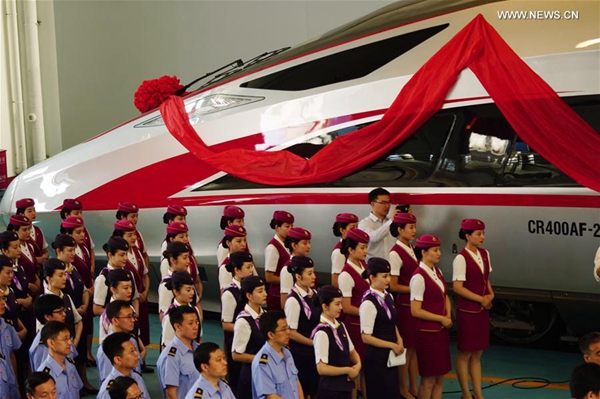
<point x="7" y="201"/>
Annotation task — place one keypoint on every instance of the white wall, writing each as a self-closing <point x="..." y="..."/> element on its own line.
<point x="105" y="49"/>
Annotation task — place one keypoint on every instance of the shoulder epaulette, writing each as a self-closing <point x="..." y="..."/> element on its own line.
<point x="264" y="359"/>
<point x="47" y="370"/>
<point x="70" y="360"/>
<point x="109" y="384"/>
<point x="137" y="372"/>
<point x="198" y="393"/>
<point x="2" y="356"/>
<point x="172" y="351"/>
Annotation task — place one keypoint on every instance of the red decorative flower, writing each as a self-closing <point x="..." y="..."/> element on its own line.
<point x="154" y="92"/>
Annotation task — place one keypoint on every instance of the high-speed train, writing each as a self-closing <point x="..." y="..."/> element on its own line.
<point x="542" y="228"/>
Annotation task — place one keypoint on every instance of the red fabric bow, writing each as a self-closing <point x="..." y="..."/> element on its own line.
<point x="154" y="92"/>
<point x="532" y="108"/>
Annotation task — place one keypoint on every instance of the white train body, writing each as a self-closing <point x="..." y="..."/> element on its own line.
<point x="543" y="229"/>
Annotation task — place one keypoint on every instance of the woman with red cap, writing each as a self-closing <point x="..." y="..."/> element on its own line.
<point x="474" y="295"/>
<point x="276" y="256"/>
<point x="378" y="319"/>
<point x="130" y="212"/>
<point x="136" y="264"/>
<point x="26" y="206"/>
<point x="21" y="225"/>
<point x="73" y="207"/>
<point x="354" y="286"/>
<point x="234" y="241"/>
<point x="403" y="263"/>
<point x="298" y="243"/>
<point x="431" y="308"/>
<point x="343" y="223"/>
<point x="232" y="216"/>
<point x="74" y="227"/>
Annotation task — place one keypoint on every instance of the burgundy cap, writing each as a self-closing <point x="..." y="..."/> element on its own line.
<point x="72" y="204"/>
<point x="235" y="231"/>
<point x="128" y="207"/>
<point x="233" y="212"/>
<point x="25" y="203"/>
<point x="405" y="218"/>
<point x="177" y="228"/>
<point x="358" y="235"/>
<point x="378" y="265"/>
<point x="19" y="220"/>
<point x="177" y="210"/>
<point x="428" y="241"/>
<point x="472" y="224"/>
<point x="72" y="222"/>
<point x="283" y="216"/>
<point x="124" y="225"/>
<point x="346" y="218"/>
<point x="299" y="233"/>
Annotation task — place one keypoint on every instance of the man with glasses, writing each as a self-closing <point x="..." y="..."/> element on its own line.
<point x="46" y="308"/>
<point x="176" y="370"/>
<point x="125" y="388"/>
<point x="124" y="358"/>
<point x="377" y="224"/>
<point x="40" y="386"/>
<point x="121" y="317"/>
<point x="274" y="373"/>
<point x="57" y="338"/>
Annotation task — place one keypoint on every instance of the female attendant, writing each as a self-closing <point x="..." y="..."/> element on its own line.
<point x="18" y="297"/>
<point x="120" y="285"/>
<point x="302" y="313"/>
<point x="21" y="225"/>
<point x="403" y="262"/>
<point x="276" y="256"/>
<point x="174" y="214"/>
<point x="234" y="241"/>
<point x="353" y="286"/>
<point x="247" y="338"/>
<point x="130" y="212"/>
<point x="136" y="265"/>
<point x="73" y="207"/>
<point x="64" y="245"/>
<point x="297" y="243"/>
<point x="116" y="249"/>
<point x="343" y="223"/>
<point x="430" y="306"/>
<point x="178" y="255"/>
<point x="232" y="216"/>
<point x="26" y="206"/>
<point x="11" y="316"/>
<point x="338" y="363"/>
<point x="74" y="227"/>
<point x="378" y="319"/>
<point x="471" y="272"/>
<point x="182" y="285"/>
<point x="240" y="265"/>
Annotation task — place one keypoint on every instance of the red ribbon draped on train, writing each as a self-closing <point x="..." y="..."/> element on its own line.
<point x="542" y="120"/>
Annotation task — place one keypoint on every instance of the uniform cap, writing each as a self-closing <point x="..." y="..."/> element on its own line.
<point x="182" y="277"/>
<point x="378" y="265"/>
<point x="25" y="203"/>
<point x="404" y="218"/>
<point x="346" y="218"/>
<point x="118" y="242"/>
<point x="19" y="220"/>
<point x="5" y="261"/>
<point x="251" y="282"/>
<point x="299" y="233"/>
<point x="177" y="228"/>
<point x="128" y="207"/>
<point x="54" y="264"/>
<point x="233" y="212"/>
<point x="72" y="222"/>
<point x="64" y="240"/>
<point x="124" y="225"/>
<point x="72" y="204"/>
<point x="240" y="257"/>
<point x="358" y="235"/>
<point x="115" y="275"/>
<point x="428" y="241"/>
<point x="472" y="224"/>
<point x="283" y="216"/>
<point x="177" y="210"/>
<point x="328" y="292"/>
<point x="234" y="231"/>
<point x="301" y="262"/>
<point x="8" y="236"/>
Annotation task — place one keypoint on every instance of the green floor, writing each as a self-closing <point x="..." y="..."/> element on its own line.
<point x="499" y="363"/>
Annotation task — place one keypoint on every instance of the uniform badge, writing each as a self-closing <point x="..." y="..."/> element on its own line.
<point x="264" y="359"/>
<point x="109" y="384"/>
<point x="47" y="370"/>
<point x="70" y="360"/>
<point x="198" y="393"/>
<point x="173" y="351"/>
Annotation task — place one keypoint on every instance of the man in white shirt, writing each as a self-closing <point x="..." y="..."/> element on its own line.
<point x="377" y="224"/>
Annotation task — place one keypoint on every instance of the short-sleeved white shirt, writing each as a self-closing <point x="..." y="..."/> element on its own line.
<point x="346" y="282"/>
<point x="272" y="256"/>
<point x="286" y="281"/>
<point x="338" y="260"/>
<point x="292" y="308"/>
<point x="459" y="265"/>
<point x="228" y="304"/>
<point x="396" y="261"/>
<point x="225" y="277"/>
<point x="321" y="342"/>
<point x="222" y="253"/>
<point x="367" y="313"/>
<point x="242" y="331"/>
<point x="101" y="290"/>
<point x="417" y="283"/>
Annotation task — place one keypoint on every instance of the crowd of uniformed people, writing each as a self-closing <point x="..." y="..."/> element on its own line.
<point x="374" y="328"/>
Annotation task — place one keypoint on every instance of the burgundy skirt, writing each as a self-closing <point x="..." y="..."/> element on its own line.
<point x="274" y="297"/>
<point x="406" y="326"/>
<point x="473" y="330"/>
<point x="433" y="352"/>
<point x="353" y="326"/>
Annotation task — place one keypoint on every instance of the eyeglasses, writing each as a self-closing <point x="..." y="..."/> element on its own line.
<point x="68" y="339"/>
<point x="382" y="202"/>
<point x="60" y="311"/>
<point x="130" y="317"/>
